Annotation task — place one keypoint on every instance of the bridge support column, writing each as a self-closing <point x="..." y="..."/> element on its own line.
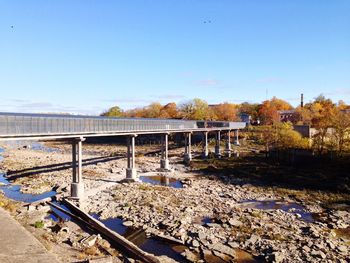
<point x="188" y="154"/>
<point x="164" y="162"/>
<point x="217" y="144"/>
<point x="236" y="137"/>
<point x="131" y="174"/>
<point x="77" y="186"/>
<point x="228" y="144"/>
<point x="205" y="145"/>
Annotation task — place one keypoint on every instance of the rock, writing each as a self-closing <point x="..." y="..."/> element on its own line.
<point x="318" y="254"/>
<point x="212" y="225"/>
<point x="235" y="222"/>
<point x="342" y="249"/>
<point x="195" y="243"/>
<point x="190" y="256"/>
<point x="331" y="245"/>
<point x="306" y="249"/>
<point x="253" y="239"/>
<point x="277" y="257"/>
<point x="128" y="223"/>
<point x="31" y="208"/>
<point x="223" y="249"/>
<point x="233" y="244"/>
<point x="89" y="241"/>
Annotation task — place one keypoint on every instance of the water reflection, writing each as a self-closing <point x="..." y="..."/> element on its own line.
<point x="161" y="180"/>
<point x="289" y="207"/>
<point x="139" y="238"/>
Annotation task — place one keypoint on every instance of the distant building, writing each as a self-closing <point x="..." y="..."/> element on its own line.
<point x="245" y="117"/>
<point x="288" y="115"/>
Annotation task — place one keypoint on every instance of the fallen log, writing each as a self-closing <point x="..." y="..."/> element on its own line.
<point x="118" y="240"/>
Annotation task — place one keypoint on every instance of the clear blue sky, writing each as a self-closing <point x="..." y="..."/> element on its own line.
<point x="85" y="56"/>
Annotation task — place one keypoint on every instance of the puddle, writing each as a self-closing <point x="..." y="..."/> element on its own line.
<point x="161" y="180"/>
<point x="139" y="238"/>
<point x="37" y="146"/>
<point x="56" y="215"/>
<point x="203" y="220"/>
<point x="293" y="208"/>
<point x="243" y="256"/>
<point x="13" y="192"/>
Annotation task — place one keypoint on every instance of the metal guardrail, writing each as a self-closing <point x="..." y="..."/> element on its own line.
<point x="24" y="124"/>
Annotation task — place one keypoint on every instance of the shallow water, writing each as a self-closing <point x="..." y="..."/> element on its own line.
<point x="56" y="215"/>
<point x="139" y="238"/>
<point x="13" y="191"/>
<point x="161" y="180"/>
<point x="37" y="146"/>
<point x="289" y="207"/>
<point x="203" y="220"/>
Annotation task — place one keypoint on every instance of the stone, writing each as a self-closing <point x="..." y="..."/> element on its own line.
<point x="128" y="223"/>
<point x="233" y="244"/>
<point x="306" y="249"/>
<point x="277" y="257"/>
<point x="223" y="249"/>
<point x="89" y="241"/>
<point x="318" y="254"/>
<point x="342" y="249"/>
<point x="195" y="243"/>
<point x="235" y="222"/>
<point x="190" y="256"/>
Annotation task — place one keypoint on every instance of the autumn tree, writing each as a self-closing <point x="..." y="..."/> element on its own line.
<point x="281" y="136"/>
<point x="169" y="111"/>
<point x="268" y="111"/>
<point x="341" y="130"/>
<point x="226" y="112"/>
<point x="322" y="112"/>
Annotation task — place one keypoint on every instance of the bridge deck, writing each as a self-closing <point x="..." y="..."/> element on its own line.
<point x="15" y="126"/>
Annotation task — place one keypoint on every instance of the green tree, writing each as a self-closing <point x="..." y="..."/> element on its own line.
<point x="113" y="112"/>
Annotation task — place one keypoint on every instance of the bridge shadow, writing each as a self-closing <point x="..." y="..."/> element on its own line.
<point x="13" y="175"/>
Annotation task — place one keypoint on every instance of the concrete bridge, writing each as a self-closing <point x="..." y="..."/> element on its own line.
<point x="22" y="126"/>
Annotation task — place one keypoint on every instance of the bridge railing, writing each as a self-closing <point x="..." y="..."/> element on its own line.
<point x="22" y="124"/>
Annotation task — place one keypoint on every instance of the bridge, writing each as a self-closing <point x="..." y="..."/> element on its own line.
<point x="24" y="126"/>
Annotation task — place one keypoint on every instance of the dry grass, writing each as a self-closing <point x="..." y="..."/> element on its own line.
<point x="7" y="204"/>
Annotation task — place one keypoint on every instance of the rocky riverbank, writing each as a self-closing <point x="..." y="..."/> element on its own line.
<point x="216" y="216"/>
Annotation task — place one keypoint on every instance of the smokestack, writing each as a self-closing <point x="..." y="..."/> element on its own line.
<point x="302" y="100"/>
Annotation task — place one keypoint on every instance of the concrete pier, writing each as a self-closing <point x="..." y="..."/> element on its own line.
<point x="131" y="173"/>
<point x="188" y="154"/>
<point x="228" y="144"/>
<point x="164" y="162"/>
<point x="217" y="144"/>
<point x="236" y="137"/>
<point x="77" y="186"/>
<point x="205" y="145"/>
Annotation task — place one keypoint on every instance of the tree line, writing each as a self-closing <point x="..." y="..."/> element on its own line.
<point x="330" y="120"/>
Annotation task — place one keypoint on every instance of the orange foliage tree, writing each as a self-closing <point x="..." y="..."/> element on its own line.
<point x="226" y="112"/>
<point x="268" y="111"/>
